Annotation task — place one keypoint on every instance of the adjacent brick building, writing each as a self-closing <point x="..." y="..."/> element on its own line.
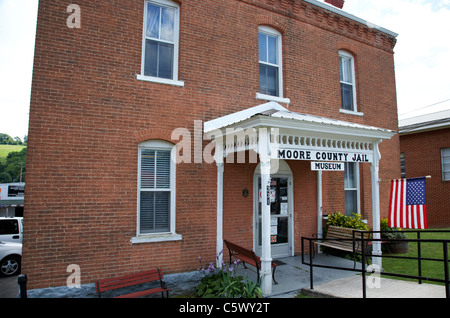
<point x="113" y="94"/>
<point x="425" y="151"/>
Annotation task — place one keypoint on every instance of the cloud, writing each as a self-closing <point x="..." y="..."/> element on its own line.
<point x="422" y="50"/>
<point x="17" y="33"/>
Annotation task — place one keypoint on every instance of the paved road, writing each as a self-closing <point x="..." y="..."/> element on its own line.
<point x="9" y="288"/>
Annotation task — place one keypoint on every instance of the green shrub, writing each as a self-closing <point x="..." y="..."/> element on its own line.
<point x="223" y="283"/>
<point x="384" y="226"/>
<point x="353" y="222"/>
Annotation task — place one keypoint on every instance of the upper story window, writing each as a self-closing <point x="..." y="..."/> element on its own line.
<point x="160" y="42"/>
<point x="402" y="165"/>
<point x="348" y="88"/>
<point x="270" y="65"/>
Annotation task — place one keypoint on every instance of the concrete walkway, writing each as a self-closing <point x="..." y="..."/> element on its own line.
<point x="292" y="277"/>
<point x="351" y="287"/>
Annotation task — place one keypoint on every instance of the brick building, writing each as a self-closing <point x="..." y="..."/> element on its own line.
<point x="120" y="87"/>
<point x="425" y="151"/>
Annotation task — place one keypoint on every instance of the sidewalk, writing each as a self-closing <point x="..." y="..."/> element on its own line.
<point x="351" y="287"/>
<point x="293" y="277"/>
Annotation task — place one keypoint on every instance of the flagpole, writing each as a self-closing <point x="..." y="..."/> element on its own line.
<point x="426" y="177"/>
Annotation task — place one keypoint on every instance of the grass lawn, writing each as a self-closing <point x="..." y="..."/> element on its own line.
<point x="6" y="149"/>
<point x="431" y="269"/>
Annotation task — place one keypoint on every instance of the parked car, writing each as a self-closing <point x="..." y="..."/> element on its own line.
<point x="10" y="258"/>
<point x="11" y="229"/>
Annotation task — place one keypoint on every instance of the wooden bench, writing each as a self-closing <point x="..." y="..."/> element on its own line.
<point x="247" y="256"/>
<point x="156" y="275"/>
<point x="344" y="239"/>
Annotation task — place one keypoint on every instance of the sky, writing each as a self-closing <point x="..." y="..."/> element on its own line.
<point x="422" y="55"/>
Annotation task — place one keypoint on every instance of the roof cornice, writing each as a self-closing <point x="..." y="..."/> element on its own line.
<point x="331" y="18"/>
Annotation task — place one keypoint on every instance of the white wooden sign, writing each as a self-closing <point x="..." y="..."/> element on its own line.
<point x="327" y="166"/>
<point x="298" y="154"/>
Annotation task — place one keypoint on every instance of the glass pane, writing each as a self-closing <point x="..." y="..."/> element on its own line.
<point x="165" y="60"/>
<point x="272" y="49"/>
<point x="262" y="47"/>
<point x="350" y="175"/>
<point x="9" y="227"/>
<point x="345" y="67"/>
<point x="151" y="58"/>
<point x="347" y="96"/>
<point x="147" y="168"/>
<point x="167" y="24"/>
<point x="154" y="212"/>
<point x="158" y="59"/>
<point x="153" y="17"/>
<point x="163" y="169"/>
<point x="268" y="80"/>
<point x="155" y="169"/>
<point x="350" y="202"/>
<point x="279" y="231"/>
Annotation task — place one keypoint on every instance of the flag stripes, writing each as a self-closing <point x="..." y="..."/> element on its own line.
<point x="408" y="207"/>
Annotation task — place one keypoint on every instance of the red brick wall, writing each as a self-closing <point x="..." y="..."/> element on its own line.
<point x="423" y="158"/>
<point x="88" y="114"/>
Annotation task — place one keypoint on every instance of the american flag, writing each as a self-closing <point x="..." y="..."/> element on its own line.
<point x="408" y="206"/>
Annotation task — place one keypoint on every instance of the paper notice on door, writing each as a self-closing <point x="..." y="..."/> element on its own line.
<point x="273" y="230"/>
<point x="283" y="208"/>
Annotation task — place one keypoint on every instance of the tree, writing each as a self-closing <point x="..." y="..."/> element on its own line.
<point x="6" y="139"/>
<point x="14" y="168"/>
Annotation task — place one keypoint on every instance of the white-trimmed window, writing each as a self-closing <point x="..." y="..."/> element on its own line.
<point x="351" y="185"/>
<point x="270" y="65"/>
<point x="156" y="192"/>
<point x="402" y="165"/>
<point x="160" y="42"/>
<point x="347" y="78"/>
<point x="445" y="159"/>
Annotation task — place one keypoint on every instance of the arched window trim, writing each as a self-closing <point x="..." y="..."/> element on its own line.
<point x="170" y="234"/>
<point x="267" y="30"/>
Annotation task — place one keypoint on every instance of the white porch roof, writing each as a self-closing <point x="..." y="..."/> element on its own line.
<point x="295" y="131"/>
<point x="272" y="114"/>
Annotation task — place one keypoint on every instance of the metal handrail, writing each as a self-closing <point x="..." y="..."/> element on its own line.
<point x="364" y="254"/>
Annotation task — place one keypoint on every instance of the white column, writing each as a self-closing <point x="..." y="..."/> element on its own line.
<point x="374" y="168"/>
<point x="319" y="204"/>
<point x="266" y="253"/>
<point x="219" y="238"/>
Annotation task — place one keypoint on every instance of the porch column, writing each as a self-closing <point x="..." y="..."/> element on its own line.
<point x="319" y="205"/>
<point x="374" y="168"/>
<point x="219" y="239"/>
<point x="266" y="253"/>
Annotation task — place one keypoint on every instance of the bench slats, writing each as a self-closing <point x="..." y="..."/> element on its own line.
<point x="113" y="283"/>
<point x="247" y="256"/>
<point x="342" y="238"/>
<point x="142" y="293"/>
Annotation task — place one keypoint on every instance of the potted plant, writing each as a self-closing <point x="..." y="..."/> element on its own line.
<point x="394" y="236"/>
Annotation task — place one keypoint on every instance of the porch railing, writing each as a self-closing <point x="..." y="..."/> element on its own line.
<point x="366" y="254"/>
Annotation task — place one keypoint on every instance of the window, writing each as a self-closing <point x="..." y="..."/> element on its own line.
<point x="445" y="158"/>
<point x="348" y="91"/>
<point x="402" y="165"/>
<point x="270" y="65"/>
<point x="160" y="43"/>
<point x="351" y="185"/>
<point x="156" y="197"/>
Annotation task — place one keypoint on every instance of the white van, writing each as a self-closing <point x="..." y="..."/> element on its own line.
<point x="11" y="229"/>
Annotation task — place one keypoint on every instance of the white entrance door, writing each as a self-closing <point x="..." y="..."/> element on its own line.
<point x="281" y="212"/>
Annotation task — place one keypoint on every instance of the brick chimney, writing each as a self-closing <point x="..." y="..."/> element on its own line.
<point x="336" y="3"/>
